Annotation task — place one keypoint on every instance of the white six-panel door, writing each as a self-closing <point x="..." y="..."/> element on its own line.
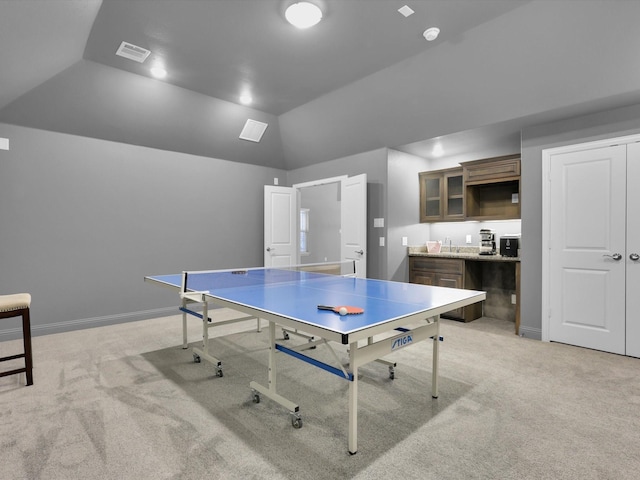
<point x="587" y="246"/>
<point x="353" y="224"/>
<point x="280" y="226"/>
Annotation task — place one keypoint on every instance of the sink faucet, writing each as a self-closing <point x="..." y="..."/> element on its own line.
<point x="448" y="239"/>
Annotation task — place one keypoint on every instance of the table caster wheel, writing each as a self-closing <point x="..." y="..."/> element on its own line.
<point x="285" y="335"/>
<point x="219" y="372"/>
<point x="392" y="373"/>
<point x="196" y="358"/>
<point x="296" y="422"/>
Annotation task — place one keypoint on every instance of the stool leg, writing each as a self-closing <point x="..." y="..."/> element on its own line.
<point x="26" y="335"/>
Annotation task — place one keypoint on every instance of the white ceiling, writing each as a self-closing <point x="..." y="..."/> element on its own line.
<point x="220" y="47"/>
<point x="364" y="78"/>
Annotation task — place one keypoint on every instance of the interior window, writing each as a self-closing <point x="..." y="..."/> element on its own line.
<point x="304" y="230"/>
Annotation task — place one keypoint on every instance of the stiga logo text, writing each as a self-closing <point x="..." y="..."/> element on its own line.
<point x="401" y="342"/>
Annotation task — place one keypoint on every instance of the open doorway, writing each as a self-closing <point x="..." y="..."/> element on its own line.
<point x="316" y="222"/>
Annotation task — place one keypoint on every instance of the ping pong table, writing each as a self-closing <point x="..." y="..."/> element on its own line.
<point x="396" y="315"/>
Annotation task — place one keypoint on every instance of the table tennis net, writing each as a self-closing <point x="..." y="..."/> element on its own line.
<point x="210" y="280"/>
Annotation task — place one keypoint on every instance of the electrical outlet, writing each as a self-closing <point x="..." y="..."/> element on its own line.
<point x="405" y="241"/>
<point x="468" y="239"/>
<point x="513" y="299"/>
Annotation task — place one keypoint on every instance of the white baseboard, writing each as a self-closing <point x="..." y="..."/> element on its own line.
<point x="80" y="324"/>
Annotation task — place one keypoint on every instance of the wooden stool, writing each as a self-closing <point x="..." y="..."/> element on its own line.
<point x="15" y="306"/>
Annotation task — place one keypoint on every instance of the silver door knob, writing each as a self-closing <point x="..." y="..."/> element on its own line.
<point x="360" y="252"/>
<point x="634" y="257"/>
<point x="615" y="256"/>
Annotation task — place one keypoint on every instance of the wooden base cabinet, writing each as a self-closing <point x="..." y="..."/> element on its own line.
<point x="452" y="273"/>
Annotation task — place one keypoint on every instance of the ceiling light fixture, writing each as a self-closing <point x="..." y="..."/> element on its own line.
<point x="246" y="99"/>
<point x="303" y="14"/>
<point x="158" y="71"/>
<point x="437" y="151"/>
<point x="430" y="34"/>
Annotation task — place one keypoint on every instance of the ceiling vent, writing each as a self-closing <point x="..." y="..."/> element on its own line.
<point x="253" y="130"/>
<point x="133" y="52"/>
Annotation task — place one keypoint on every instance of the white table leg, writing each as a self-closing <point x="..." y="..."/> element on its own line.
<point x="353" y="400"/>
<point x="436" y="354"/>
<point x="185" y="343"/>
<point x="272" y="357"/>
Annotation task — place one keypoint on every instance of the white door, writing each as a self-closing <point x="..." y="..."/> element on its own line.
<point x="353" y="224"/>
<point x="632" y="257"/>
<point x="587" y="248"/>
<point x="280" y="226"/>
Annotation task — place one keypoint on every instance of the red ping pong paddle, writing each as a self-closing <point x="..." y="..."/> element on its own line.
<point x="342" y="309"/>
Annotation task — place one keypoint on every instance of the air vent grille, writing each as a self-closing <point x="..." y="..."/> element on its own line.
<point x="253" y="130"/>
<point x="133" y="52"/>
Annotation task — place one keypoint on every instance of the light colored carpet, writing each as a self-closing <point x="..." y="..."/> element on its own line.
<point x="127" y="402"/>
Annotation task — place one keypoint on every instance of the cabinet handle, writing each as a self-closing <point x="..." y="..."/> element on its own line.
<point x="615" y="256"/>
<point x="634" y="257"/>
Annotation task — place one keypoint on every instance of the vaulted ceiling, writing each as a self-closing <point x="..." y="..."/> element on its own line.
<point x="362" y="79"/>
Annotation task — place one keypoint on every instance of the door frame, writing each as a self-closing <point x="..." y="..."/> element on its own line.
<point x="546" y="209"/>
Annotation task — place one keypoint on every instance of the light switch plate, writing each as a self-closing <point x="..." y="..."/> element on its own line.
<point x="378" y="222"/>
<point x="4" y="144"/>
<point x="405" y="241"/>
<point x="382" y="241"/>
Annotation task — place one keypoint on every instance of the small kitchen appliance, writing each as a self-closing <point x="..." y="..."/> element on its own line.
<point x="510" y="245"/>
<point x="487" y="242"/>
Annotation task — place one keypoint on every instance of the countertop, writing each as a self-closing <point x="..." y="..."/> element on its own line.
<point x="462" y="253"/>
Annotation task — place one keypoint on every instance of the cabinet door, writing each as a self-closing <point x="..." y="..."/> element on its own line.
<point x="423" y="278"/>
<point x="431" y="194"/>
<point x="453" y="195"/>
<point x="490" y="170"/>
<point x="451" y="281"/>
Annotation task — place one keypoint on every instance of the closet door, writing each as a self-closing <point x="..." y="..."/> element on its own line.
<point x="587" y="248"/>
<point x="632" y="257"/>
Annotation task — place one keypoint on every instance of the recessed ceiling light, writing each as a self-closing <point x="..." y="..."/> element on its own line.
<point x="437" y="151"/>
<point x="246" y="99"/>
<point x="431" y="33"/>
<point x="158" y="71"/>
<point x="303" y="14"/>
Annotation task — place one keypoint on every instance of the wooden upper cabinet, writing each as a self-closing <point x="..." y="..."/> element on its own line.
<point x="441" y="195"/>
<point x="492" y="188"/>
<point x="487" y="189"/>
<point x="491" y="170"/>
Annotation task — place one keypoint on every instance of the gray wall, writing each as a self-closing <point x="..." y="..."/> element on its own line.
<point x="374" y="164"/>
<point x="607" y="124"/>
<point x="403" y="211"/>
<point x="82" y="221"/>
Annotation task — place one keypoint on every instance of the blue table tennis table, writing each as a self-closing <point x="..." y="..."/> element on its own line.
<point x="396" y="315"/>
